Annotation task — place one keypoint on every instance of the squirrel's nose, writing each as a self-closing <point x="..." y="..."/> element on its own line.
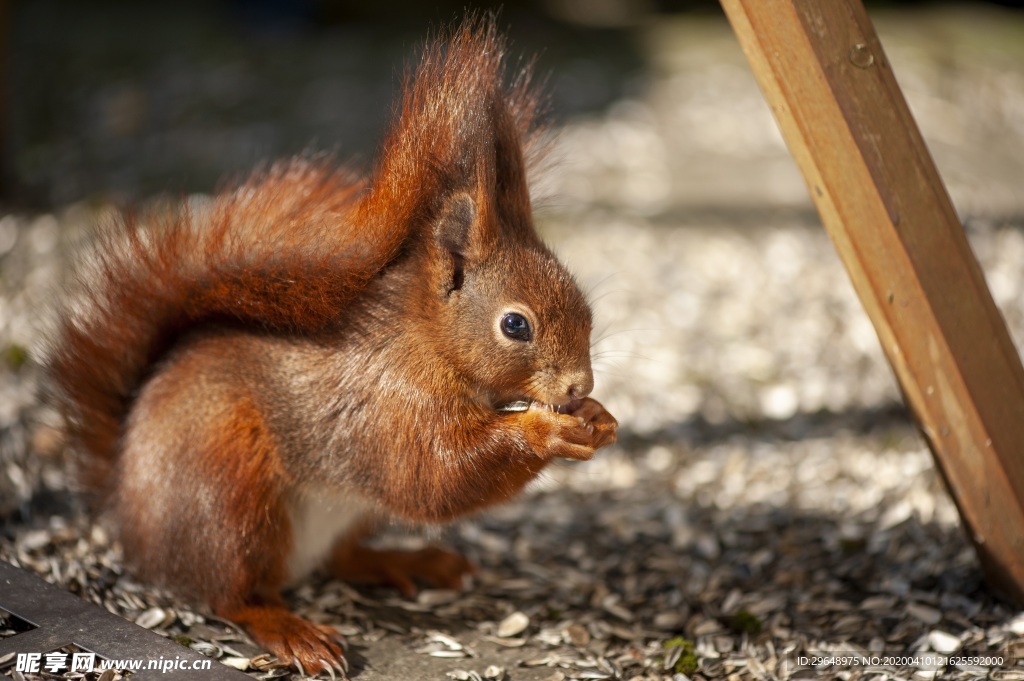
<point x="581" y="384"/>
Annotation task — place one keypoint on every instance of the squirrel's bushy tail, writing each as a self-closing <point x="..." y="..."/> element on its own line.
<point x="267" y="255"/>
<point x="289" y="249"/>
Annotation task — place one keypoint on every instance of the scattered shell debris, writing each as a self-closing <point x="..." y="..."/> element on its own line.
<point x="715" y="541"/>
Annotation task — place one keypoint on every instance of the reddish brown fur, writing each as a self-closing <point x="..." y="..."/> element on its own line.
<point x="230" y="465"/>
<point x="241" y="262"/>
<point x="313" y="347"/>
<point x="302" y="216"/>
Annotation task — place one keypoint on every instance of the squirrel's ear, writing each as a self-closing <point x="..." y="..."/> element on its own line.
<point x="460" y="237"/>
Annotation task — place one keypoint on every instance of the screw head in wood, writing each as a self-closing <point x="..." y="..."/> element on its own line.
<point x="861" y="57"/>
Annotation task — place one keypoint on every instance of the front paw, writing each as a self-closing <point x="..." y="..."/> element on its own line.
<point x="599" y="421"/>
<point x="575" y="435"/>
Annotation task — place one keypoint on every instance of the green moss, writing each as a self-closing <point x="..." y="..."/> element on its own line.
<point x="15" y="356"/>
<point x="746" y="622"/>
<point x="891" y="439"/>
<point x="853" y="545"/>
<point x="184" y="640"/>
<point x="687" y="662"/>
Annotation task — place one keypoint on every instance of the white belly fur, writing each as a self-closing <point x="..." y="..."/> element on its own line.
<point x="318" y="521"/>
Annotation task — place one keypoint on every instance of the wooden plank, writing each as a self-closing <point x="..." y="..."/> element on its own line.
<point x="823" y="71"/>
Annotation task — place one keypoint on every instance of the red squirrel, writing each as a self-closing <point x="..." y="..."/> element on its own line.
<point x="257" y="384"/>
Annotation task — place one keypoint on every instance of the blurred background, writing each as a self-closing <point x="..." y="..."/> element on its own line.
<point x="117" y="100"/>
<point x="766" y="463"/>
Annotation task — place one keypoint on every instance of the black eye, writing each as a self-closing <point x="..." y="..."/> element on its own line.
<point x="516" y="327"/>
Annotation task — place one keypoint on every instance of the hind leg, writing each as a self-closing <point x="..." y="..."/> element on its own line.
<point x="201" y="509"/>
<point x="354" y="562"/>
<point x="312" y="647"/>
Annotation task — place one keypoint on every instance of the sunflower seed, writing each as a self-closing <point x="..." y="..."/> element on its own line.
<point x="513" y="625"/>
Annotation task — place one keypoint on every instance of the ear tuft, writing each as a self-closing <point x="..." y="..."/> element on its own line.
<point x="461" y="127"/>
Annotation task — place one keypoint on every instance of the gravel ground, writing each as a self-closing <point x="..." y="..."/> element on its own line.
<point x="769" y="498"/>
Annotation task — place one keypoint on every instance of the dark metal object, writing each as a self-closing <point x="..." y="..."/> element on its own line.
<point x="61" y="619"/>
